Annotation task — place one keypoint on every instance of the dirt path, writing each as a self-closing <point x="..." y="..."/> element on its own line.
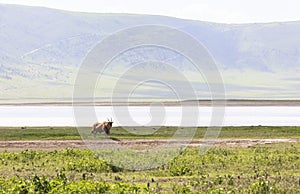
<point x="142" y="143"/>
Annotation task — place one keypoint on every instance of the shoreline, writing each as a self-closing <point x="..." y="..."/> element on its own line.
<point x="171" y="103"/>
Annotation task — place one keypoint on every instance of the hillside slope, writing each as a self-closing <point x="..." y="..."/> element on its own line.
<point x="42" y="49"/>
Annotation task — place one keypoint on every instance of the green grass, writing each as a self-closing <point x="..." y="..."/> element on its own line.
<point x="63" y="133"/>
<point x="261" y="169"/>
<point x="38" y="133"/>
<point x="270" y="168"/>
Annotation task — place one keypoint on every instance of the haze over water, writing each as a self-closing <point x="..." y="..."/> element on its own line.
<point x="64" y="116"/>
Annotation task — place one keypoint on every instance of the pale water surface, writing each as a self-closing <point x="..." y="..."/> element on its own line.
<point x="64" y="116"/>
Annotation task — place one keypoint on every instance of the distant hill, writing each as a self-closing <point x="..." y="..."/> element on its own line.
<point x="42" y="49"/>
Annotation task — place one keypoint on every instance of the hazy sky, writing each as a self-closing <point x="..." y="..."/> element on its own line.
<point x="223" y="11"/>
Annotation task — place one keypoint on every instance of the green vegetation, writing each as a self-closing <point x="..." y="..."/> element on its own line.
<point x="270" y="168"/>
<point x="261" y="169"/>
<point x="40" y="133"/>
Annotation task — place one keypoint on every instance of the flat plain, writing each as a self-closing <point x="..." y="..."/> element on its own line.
<point x="257" y="159"/>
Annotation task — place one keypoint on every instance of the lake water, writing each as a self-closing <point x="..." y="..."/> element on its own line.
<point x="64" y="116"/>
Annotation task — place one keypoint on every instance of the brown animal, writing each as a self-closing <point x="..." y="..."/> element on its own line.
<point x="100" y="127"/>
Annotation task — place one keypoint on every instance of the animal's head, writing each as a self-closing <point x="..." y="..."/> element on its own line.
<point x="109" y="122"/>
<point x="108" y="125"/>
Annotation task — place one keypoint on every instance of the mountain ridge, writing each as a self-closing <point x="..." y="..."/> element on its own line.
<point x="43" y="48"/>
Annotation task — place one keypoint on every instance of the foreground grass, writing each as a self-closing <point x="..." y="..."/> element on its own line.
<point x="64" y="133"/>
<point x="262" y="169"/>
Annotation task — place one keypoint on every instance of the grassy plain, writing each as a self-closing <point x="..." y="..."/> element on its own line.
<point x="71" y="133"/>
<point x="220" y="170"/>
<point x="271" y="168"/>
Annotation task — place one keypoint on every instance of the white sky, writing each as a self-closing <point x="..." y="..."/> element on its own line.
<point x="223" y="11"/>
